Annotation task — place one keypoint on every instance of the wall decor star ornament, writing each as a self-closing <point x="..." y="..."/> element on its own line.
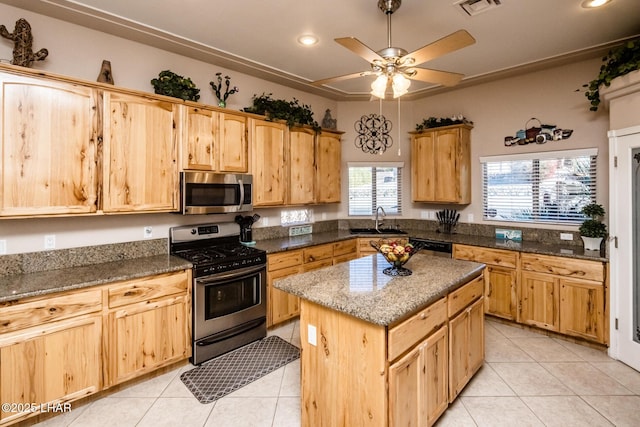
<point x="373" y="133"/>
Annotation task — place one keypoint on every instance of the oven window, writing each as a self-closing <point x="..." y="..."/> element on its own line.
<point x="231" y="297"/>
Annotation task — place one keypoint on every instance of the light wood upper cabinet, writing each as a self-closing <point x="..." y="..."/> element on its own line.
<point x="140" y="154"/>
<point x="441" y="165"/>
<point x="302" y="166"/>
<point x="48" y="147"/>
<point x="328" y="166"/>
<point x="214" y="141"/>
<point x="268" y="156"/>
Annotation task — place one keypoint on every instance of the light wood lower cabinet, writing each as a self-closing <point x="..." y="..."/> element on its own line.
<point x="364" y="374"/>
<point x="539" y="300"/>
<point x="283" y="306"/>
<point x="66" y="346"/>
<point x="582" y="305"/>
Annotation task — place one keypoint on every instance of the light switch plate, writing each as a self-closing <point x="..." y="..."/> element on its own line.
<point x="50" y="241"/>
<point x="148" y="232"/>
<point x="3" y="247"/>
<point x="566" y="236"/>
<point x="311" y="335"/>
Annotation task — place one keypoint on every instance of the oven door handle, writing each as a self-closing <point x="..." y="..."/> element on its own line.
<point x="235" y="274"/>
<point x="237" y="330"/>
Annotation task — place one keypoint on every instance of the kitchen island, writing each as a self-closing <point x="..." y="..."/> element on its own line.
<point x="387" y="351"/>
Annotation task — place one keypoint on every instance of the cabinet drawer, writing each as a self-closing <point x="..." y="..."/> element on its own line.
<point x="345" y="247"/>
<point x="316" y="253"/>
<point x="284" y="260"/>
<point x="317" y="264"/>
<point x="462" y="297"/>
<point x="497" y="257"/>
<point x="34" y="312"/>
<point x="419" y="326"/>
<point x="147" y="289"/>
<point x="568" y="267"/>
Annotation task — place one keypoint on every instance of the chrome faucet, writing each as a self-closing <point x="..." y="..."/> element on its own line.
<point x="378" y="222"/>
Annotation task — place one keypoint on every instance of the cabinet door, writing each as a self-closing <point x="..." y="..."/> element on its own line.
<point x="436" y="385"/>
<point x="466" y="346"/>
<point x="233" y="154"/>
<point x="48" y="147"/>
<point x="268" y="163"/>
<point x="199" y="139"/>
<point x="302" y="167"/>
<point x="140" y="167"/>
<point x="406" y="378"/>
<point x="329" y="167"/>
<point x="446" y="182"/>
<point x="282" y="305"/>
<point x="582" y="309"/>
<point x="56" y="363"/>
<point x="476" y="336"/>
<point x="539" y="300"/>
<point x="423" y="167"/>
<point x="500" y="292"/>
<point x="146" y="336"/>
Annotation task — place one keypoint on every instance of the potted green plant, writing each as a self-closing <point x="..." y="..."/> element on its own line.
<point x="593" y="230"/>
<point x="619" y="61"/>
<point x="171" y="84"/>
<point x="292" y="112"/>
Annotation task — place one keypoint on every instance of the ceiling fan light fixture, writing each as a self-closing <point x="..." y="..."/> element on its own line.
<point x="400" y="85"/>
<point x="379" y="86"/>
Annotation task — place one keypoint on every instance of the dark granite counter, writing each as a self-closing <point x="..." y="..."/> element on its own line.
<point x="569" y="251"/>
<point x="13" y="287"/>
<point x="360" y="288"/>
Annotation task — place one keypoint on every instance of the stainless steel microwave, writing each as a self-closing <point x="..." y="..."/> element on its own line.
<point x="212" y="193"/>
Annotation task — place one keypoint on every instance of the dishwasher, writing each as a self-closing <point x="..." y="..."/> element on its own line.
<point x="433" y="247"/>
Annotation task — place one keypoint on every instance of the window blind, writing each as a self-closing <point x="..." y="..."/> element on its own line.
<point x="548" y="187"/>
<point x="376" y="185"/>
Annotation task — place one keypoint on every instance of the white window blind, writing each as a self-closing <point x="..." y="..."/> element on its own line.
<point x="373" y="185"/>
<point x="548" y="187"/>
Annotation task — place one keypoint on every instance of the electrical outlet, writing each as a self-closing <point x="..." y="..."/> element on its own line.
<point x="469" y="217"/>
<point x="311" y="335"/>
<point x="50" y="241"/>
<point x="424" y="214"/>
<point x="432" y="215"/>
<point x="148" y="232"/>
<point x="3" y="247"/>
<point x="566" y="236"/>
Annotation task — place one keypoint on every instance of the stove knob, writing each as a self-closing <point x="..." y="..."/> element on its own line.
<point x="194" y="231"/>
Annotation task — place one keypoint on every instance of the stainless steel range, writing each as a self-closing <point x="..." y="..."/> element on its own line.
<point x="229" y="287"/>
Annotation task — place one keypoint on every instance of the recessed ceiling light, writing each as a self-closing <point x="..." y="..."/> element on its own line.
<point x="307" y="40"/>
<point x="590" y="4"/>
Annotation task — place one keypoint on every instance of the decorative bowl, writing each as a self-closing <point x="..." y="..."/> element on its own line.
<point x="397" y="252"/>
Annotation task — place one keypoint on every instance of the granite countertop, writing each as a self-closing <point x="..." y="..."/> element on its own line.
<point x="298" y="242"/>
<point x="360" y="288"/>
<point x="19" y="286"/>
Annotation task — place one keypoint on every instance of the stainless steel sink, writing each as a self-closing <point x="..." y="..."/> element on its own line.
<point x="374" y="231"/>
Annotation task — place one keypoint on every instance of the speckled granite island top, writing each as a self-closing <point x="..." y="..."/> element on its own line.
<point x="19" y="286"/>
<point x="360" y="288"/>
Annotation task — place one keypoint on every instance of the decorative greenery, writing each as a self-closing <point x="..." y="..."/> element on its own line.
<point x="619" y="61"/>
<point x="171" y="84"/>
<point x="593" y="227"/>
<point x="217" y="88"/>
<point x="433" y="122"/>
<point x="292" y="112"/>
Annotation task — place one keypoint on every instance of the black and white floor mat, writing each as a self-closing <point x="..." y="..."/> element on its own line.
<point x="224" y="374"/>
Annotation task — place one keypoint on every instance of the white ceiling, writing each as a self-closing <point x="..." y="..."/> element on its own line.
<point x="258" y="37"/>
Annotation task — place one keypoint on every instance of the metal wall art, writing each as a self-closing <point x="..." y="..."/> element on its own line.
<point x="373" y="134"/>
<point x="539" y="134"/>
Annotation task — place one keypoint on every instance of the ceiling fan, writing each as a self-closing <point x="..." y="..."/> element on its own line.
<point x="396" y="65"/>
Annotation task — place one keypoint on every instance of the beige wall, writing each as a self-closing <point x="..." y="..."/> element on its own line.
<point x="498" y="109"/>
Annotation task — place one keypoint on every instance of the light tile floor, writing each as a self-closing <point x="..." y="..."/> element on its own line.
<point x="528" y="379"/>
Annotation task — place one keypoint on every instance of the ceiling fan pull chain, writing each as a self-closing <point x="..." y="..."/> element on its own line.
<point x="399" y="135"/>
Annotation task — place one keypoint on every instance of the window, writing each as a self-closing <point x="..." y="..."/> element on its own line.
<point x="375" y="185"/>
<point x="549" y="187"/>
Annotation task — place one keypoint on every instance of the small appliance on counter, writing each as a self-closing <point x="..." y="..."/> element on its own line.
<point x="246" y="233"/>
<point x="447" y="220"/>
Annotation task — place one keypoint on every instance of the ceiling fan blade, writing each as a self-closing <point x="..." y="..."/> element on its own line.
<point x="444" y="78"/>
<point x="340" y="78"/>
<point x="450" y="43"/>
<point x="359" y="48"/>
